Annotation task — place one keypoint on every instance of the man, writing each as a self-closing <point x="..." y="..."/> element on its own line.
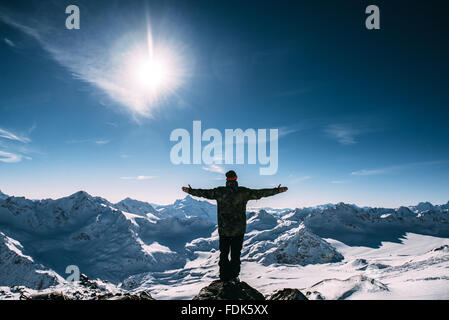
<point x="231" y="211"/>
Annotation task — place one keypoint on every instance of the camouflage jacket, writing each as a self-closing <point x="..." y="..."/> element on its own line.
<point x="231" y="205"/>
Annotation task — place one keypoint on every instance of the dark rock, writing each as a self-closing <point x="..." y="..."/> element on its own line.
<point x="288" y="294"/>
<point x="444" y="248"/>
<point x="126" y="296"/>
<point x="84" y="281"/>
<point x="89" y="295"/>
<point x="83" y="278"/>
<point x="315" y="295"/>
<point x="219" y="290"/>
<point x="47" y="296"/>
<point x="145" y="296"/>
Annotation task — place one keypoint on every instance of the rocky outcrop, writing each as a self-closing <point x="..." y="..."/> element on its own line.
<point x="287" y="294"/>
<point x="239" y="290"/>
<point x="85" y="289"/>
<point x="219" y="290"/>
<point x="53" y="295"/>
<point x="59" y="295"/>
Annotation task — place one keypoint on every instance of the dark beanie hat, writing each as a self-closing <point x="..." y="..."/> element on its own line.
<point x="231" y="175"/>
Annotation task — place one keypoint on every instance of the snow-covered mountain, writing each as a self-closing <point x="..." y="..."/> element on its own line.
<point x="139" y="246"/>
<point x="18" y="268"/>
<point x="182" y="209"/>
<point x="276" y="241"/>
<point x="189" y="207"/>
<point x="136" y="207"/>
<point x="427" y="206"/>
<point x="102" y="241"/>
<point x="371" y="226"/>
<point x="3" y="196"/>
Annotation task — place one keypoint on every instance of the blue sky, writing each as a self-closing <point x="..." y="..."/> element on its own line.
<point x="362" y="114"/>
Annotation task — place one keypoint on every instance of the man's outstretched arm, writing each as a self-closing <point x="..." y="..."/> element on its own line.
<point x="204" y="193"/>
<point x="256" y="194"/>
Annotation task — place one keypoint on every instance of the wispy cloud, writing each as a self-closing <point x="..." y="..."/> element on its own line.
<point x="287" y="130"/>
<point x="32" y="128"/>
<point x="9" y="157"/>
<point x="339" y="181"/>
<point x="343" y="133"/>
<point x="9" y="42"/>
<point x="99" y="142"/>
<point x="107" y="63"/>
<point x="14" y="147"/>
<point x="138" y="178"/>
<point x="298" y="179"/>
<point x="397" y="168"/>
<point x="102" y="142"/>
<point x="214" y="168"/>
<point x="372" y="172"/>
<point x="11" y="136"/>
<point x="112" y="124"/>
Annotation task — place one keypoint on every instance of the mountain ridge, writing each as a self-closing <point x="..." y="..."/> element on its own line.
<point x="123" y="243"/>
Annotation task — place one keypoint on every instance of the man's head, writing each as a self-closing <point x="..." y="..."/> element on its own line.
<point x="231" y="175"/>
<point x="231" y="179"/>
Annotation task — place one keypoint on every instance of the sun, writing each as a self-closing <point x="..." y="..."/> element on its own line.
<point x="148" y="79"/>
<point x="148" y="75"/>
<point x="152" y="74"/>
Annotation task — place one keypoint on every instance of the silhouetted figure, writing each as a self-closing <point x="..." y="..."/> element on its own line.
<point x="231" y="211"/>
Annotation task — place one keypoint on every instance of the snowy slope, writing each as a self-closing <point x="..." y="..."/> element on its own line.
<point x="135" y="206"/>
<point x="332" y="251"/>
<point x="3" y="196"/>
<point x="416" y="268"/>
<point x="102" y="241"/>
<point x="18" y="269"/>
<point x="189" y="207"/>
<point x="301" y="247"/>
<point x="181" y="209"/>
<point x="370" y="226"/>
<point x="274" y="241"/>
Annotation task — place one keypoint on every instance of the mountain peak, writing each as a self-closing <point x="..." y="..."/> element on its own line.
<point x="342" y="205"/>
<point x="424" y="206"/>
<point x="128" y="200"/>
<point x="80" y="196"/>
<point x="134" y="206"/>
<point x="187" y="199"/>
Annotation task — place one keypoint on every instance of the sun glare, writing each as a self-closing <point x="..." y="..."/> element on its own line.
<point x="149" y="75"/>
<point x="152" y="74"/>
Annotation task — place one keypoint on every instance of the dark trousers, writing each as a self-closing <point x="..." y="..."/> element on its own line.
<point x="230" y="268"/>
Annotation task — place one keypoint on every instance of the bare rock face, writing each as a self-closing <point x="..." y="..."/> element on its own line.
<point x="287" y="294"/>
<point x="55" y="295"/>
<point x="127" y="296"/>
<point x="219" y="290"/>
<point x="87" y="290"/>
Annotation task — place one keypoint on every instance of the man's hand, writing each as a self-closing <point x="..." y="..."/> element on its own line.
<point x="282" y="189"/>
<point x="185" y="189"/>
